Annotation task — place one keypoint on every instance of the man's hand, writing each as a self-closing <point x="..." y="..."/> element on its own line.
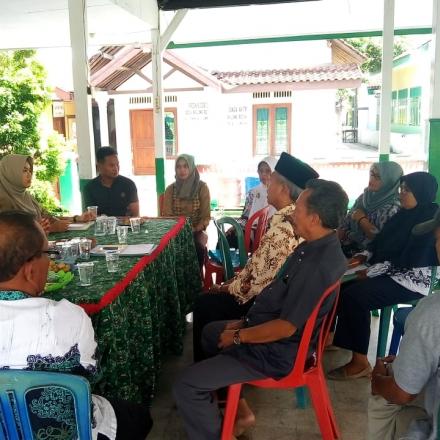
<point x="86" y="217"/>
<point x="361" y="274"/>
<point x="234" y="325"/>
<point x="226" y="339"/>
<point x="356" y="260"/>
<point x="357" y="214"/>
<point x="219" y="288"/>
<point x="380" y="369"/>
<point x="59" y="226"/>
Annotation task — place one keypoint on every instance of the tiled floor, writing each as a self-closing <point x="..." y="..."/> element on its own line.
<point x="276" y="412"/>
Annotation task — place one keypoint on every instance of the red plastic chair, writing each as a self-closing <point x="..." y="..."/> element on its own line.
<point x="301" y="375"/>
<point x="262" y="218"/>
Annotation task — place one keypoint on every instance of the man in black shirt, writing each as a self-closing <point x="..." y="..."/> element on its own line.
<point x="114" y="195"/>
<point x="265" y="343"/>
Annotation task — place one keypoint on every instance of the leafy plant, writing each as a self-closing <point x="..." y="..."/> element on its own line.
<point x="372" y="48"/>
<point x="24" y="96"/>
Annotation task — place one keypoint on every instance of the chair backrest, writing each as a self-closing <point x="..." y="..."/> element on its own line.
<point x="303" y="350"/>
<point x="262" y="218"/>
<point x="224" y="245"/>
<point x="160" y="205"/>
<point x="37" y="404"/>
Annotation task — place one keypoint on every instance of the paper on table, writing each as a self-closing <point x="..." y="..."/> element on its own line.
<point x="79" y="226"/>
<point x="138" y="249"/>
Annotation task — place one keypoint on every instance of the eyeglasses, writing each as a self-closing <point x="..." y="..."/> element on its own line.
<point x="48" y="252"/>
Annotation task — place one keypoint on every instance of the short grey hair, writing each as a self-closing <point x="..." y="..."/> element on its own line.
<point x="294" y="190"/>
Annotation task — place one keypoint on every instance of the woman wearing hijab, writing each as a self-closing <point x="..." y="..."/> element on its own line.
<point x="372" y="209"/>
<point x="16" y="171"/>
<point x="189" y="196"/>
<point x="400" y="271"/>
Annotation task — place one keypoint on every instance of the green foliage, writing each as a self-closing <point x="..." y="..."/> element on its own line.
<point x="44" y="194"/>
<point x="24" y="96"/>
<point x="372" y="48"/>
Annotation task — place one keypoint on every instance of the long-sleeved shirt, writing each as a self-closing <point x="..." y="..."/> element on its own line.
<point x="275" y="246"/>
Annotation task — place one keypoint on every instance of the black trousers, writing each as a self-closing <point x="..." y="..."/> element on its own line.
<point x="133" y="420"/>
<point x="200" y="240"/>
<point x="356" y="300"/>
<point x="210" y="307"/>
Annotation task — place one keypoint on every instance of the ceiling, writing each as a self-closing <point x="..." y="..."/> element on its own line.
<point x="171" y="5"/>
<point x="45" y="23"/>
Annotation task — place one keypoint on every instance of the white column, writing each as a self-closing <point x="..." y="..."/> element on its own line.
<point x="80" y="69"/>
<point x="387" y="70"/>
<point x="434" y="108"/>
<point x="102" y="99"/>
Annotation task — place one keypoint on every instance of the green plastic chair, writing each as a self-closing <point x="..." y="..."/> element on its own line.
<point x="224" y="246"/>
<point x="39" y="404"/>
<point x="385" y="318"/>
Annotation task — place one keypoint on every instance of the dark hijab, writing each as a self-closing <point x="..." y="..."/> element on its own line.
<point x="395" y="242"/>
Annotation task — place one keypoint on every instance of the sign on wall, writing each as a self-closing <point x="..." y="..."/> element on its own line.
<point x="196" y="111"/>
<point x="237" y="115"/>
<point x="58" y="109"/>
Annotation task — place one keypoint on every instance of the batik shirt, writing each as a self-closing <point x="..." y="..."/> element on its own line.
<point x="41" y="334"/>
<point x="275" y="246"/>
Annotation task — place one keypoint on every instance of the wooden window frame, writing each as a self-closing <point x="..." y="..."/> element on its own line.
<point x="174" y="111"/>
<point x="271" y="108"/>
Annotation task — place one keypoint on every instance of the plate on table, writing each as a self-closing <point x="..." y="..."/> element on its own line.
<point x="57" y="280"/>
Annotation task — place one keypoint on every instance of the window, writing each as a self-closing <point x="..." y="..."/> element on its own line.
<point x="402" y="107"/>
<point x="171" y="132"/>
<point x="272" y="129"/>
<point x="415" y="104"/>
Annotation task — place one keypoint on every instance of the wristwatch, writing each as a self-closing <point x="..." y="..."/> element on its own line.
<point x="236" y="338"/>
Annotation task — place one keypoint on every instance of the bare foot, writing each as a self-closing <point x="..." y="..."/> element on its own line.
<point x="245" y="418"/>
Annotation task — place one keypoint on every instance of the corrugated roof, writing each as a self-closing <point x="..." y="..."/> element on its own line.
<point x="328" y="72"/>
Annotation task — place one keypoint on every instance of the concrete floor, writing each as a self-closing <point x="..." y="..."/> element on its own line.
<point x="275" y="410"/>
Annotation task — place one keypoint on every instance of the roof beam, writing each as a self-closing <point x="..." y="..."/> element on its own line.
<point x="169" y="31"/>
<point x="146" y="10"/>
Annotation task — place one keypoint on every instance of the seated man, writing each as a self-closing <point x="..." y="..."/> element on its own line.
<point x="113" y="194"/>
<point x="265" y="343"/>
<point x="405" y="389"/>
<point x="41" y="334"/>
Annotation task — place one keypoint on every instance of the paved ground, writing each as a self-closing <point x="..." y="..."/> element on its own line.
<point x="277" y="415"/>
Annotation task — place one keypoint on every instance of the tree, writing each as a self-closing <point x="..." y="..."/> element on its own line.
<point x="371" y="47"/>
<point x="24" y="96"/>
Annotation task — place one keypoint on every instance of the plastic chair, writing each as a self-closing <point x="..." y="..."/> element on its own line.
<point x="35" y="404"/>
<point x="262" y="218"/>
<point x="228" y="267"/>
<point x="302" y="374"/>
<point x="385" y="318"/>
<point x="218" y="269"/>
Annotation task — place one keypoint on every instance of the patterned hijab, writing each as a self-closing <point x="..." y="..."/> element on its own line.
<point x="13" y="195"/>
<point x="187" y="188"/>
<point x="390" y="174"/>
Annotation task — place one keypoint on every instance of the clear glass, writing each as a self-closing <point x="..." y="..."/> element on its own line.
<point x="67" y="254"/>
<point x="85" y="271"/>
<point x="85" y="246"/>
<point x="112" y="260"/>
<point x="100" y="226"/>
<point x="111" y="225"/>
<point x="122" y="232"/>
<point x="135" y="223"/>
<point x="93" y="210"/>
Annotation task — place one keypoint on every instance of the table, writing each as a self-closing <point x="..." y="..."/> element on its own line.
<point x="138" y="313"/>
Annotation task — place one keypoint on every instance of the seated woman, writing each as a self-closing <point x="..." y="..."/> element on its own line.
<point x="16" y="171"/>
<point x="189" y="196"/>
<point x="373" y="208"/>
<point x="400" y="272"/>
<point x="256" y="198"/>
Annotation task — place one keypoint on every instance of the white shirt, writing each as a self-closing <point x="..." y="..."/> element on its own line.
<point x="52" y="336"/>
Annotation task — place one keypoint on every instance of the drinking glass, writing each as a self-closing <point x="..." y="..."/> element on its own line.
<point x="112" y="260"/>
<point x="100" y="226"/>
<point x="122" y="232"/>
<point x="74" y="243"/>
<point x="135" y="225"/>
<point x="85" y="273"/>
<point x="67" y="253"/>
<point x="85" y="246"/>
<point x="111" y="225"/>
<point x="93" y="210"/>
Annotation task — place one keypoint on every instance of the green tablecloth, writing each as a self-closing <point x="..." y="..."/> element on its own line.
<point x="135" y="328"/>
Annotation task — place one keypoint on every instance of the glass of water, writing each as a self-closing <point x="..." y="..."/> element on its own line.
<point x="93" y="210"/>
<point x="85" y="273"/>
<point x="112" y="260"/>
<point x="122" y="232"/>
<point x="100" y="226"/>
<point x="111" y="225"/>
<point x="85" y="246"/>
<point x="135" y="223"/>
